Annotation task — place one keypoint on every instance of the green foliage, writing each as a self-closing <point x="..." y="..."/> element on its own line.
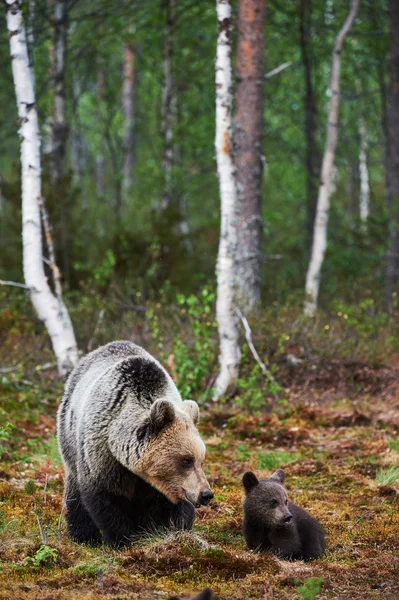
<point x="388" y="476"/>
<point x="45" y="556"/>
<point x="273" y="460"/>
<point x="5" y="434"/>
<point x="310" y="589"/>
<point x="394" y="445"/>
<point x="193" y="361"/>
<point x="254" y="391"/>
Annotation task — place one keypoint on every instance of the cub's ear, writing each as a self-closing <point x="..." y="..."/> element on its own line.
<point x="206" y="594"/>
<point x="277" y="476"/>
<point x="191" y="408"/>
<point x="162" y="415"/>
<point x="249" y="481"/>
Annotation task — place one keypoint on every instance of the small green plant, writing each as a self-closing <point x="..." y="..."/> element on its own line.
<point x="193" y="362"/>
<point x="310" y="589"/>
<point x="45" y="556"/>
<point x="387" y="476"/>
<point x="5" y="436"/>
<point x="394" y="445"/>
<point x="243" y="453"/>
<point x="255" y="389"/>
<point x="274" y="460"/>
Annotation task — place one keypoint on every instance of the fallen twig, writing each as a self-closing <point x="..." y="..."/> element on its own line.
<point x="96" y="329"/>
<point x="50" y="245"/>
<point x="248" y="335"/>
<point x="9" y="369"/>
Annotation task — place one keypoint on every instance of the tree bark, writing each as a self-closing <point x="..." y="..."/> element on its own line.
<point x="167" y="103"/>
<point x="364" y="204"/>
<point x="128" y="94"/>
<point x="100" y="161"/>
<point x="50" y="310"/>
<point x="312" y="161"/>
<point x="227" y="319"/>
<point x="60" y="128"/>
<point x="392" y="258"/>
<point x="323" y="200"/>
<point x="248" y="137"/>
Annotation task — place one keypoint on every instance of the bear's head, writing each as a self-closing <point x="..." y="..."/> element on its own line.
<point x="173" y="454"/>
<point x="266" y="500"/>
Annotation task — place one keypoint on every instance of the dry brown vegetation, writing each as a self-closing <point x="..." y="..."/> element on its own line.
<point x="335" y="434"/>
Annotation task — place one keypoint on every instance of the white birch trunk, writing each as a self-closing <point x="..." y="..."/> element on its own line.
<point x="364" y="204"/>
<point x="50" y="310"/>
<point x="230" y="355"/>
<point x="323" y="201"/>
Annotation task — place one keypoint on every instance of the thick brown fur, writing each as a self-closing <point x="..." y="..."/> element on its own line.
<point x="274" y="524"/>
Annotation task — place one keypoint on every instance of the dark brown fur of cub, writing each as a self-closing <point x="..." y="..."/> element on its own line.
<point x="273" y="523"/>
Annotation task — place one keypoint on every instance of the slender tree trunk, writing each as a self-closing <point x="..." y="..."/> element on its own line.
<point x="323" y="200"/>
<point x="59" y="134"/>
<point x="312" y="160"/>
<point x="248" y="136"/>
<point x="364" y="204"/>
<point x="128" y="112"/>
<point x="392" y="259"/>
<point x="167" y="103"/>
<point x="100" y="161"/>
<point x="60" y="128"/>
<point x="227" y="319"/>
<point x="49" y="309"/>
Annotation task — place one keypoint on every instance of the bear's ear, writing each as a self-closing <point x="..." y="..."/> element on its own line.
<point x="191" y="408"/>
<point x="249" y="481"/>
<point x="162" y="415"/>
<point x="206" y="594"/>
<point x="277" y="476"/>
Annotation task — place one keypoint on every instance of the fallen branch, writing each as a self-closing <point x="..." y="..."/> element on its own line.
<point x="9" y="369"/>
<point x="96" y="329"/>
<point x="50" y="245"/>
<point x="277" y="70"/>
<point x="248" y="335"/>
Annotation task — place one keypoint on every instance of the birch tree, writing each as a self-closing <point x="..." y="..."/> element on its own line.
<point x="227" y="319"/>
<point x="323" y="200"/>
<point x="248" y="136"/>
<point x="392" y="154"/>
<point x="364" y="203"/>
<point x="50" y="309"/>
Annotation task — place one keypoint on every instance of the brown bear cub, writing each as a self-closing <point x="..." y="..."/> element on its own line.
<point x="273" y="523"/>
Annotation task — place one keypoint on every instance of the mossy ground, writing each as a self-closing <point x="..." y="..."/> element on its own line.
<point x="335" y="433"/>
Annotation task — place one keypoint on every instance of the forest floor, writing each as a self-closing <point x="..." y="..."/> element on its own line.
<point x="336" y="436"/>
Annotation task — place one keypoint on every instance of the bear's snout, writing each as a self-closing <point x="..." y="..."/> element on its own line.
<point x="206" y="497"/>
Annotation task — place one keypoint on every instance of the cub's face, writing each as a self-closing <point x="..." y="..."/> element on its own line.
<point x="174" y="456"/>
<point x="266" y="500"/>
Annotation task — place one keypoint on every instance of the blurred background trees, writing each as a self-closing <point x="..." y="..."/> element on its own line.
<point x="126" y="102"/>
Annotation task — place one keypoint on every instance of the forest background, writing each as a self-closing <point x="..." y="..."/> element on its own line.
<point x="133" y="198"/>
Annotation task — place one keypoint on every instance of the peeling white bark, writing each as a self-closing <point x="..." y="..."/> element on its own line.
<point x="323" y="201"/>
<point x="230" y="355"/>
<point x="364" y="204"/>
<point x="50" y="310"/>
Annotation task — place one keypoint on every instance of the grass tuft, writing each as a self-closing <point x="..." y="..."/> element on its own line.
<point x="388" y="476"/>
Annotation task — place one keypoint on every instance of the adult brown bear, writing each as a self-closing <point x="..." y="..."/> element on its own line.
<point x="132" y="454"/>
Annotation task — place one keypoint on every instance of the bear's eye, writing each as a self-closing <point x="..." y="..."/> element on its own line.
<point x="286" y="502"/>
<point x="187" y="463"/>
<point x="274" y="503"/>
